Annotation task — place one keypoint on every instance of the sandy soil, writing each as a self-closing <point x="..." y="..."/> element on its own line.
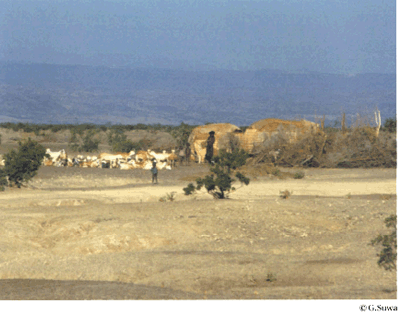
<point x="104" y="234"/>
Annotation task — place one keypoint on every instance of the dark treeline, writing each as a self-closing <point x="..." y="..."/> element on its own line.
<point x="78" y="128"/>
<point x="389" y="125"/>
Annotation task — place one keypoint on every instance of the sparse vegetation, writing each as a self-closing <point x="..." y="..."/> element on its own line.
<point x="119" y="142"/>
<point x="390" y="125"/>
<point x="3" y="180"/>
<point x="299" y="175"/>
<point x="219" y="183"/>
<point x="168" y="197"/>
<point x="84" y="142"/>
<point x="388" y="254"/>
<point x="276" y="172"/>
<point x="189" y="189"/>
<point x="356" y="148"/>
<point x="22" y="165"/>
<point x="285" y="194"/>
<point x="271" y="277"/>
<point x="181" y="133"/>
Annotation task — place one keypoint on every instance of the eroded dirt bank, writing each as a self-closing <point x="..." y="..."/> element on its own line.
<point x="106" y="235"/>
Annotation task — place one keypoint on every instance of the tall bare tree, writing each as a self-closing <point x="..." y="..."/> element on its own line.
<point x="343" y="122"/>
<point x="377" y="121"/>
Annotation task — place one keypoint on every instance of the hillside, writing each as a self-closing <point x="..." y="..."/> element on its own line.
<point x="44" y="93"/>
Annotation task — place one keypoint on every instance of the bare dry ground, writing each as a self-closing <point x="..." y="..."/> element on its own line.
<point x="95" y="234"/>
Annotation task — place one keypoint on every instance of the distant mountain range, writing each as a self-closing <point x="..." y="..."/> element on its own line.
<point x="46" y="93"/>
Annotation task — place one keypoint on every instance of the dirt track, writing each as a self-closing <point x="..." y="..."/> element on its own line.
<point x="105" y="234"/>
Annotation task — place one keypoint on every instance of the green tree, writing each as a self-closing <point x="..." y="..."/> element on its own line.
<point x="89" y="143"/>
<point x="219" y="183"/>
<point x="119" y="142"/>
<point x="388" y="254"/>
<point x="390" y="125"/>
<point x="81" y="141"/>
<point x="22" y="165"/>
<point x="181" y="133"/>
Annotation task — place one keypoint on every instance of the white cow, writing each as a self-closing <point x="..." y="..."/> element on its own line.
<point x="56" y="158"/>
<point x="160" y="157"/>
<point x="112" y="159"/>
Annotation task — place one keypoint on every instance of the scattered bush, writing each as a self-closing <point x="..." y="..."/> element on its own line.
<point x="388" y="254"/>
<point x="276" y="172"/>
<point x="89" y="143"/>
<point x="271" y="277"/>
<point x="390" y="125"/>
<point x="230" y="161"/>
<point x="189" y="189"/>
<point x="359" y="147"/>
<point x="299" y="175"/>
<point x="85" y="143"/>
<point x="168" y="197"/>
<point x="284" y="194"/>
<point x="22" y="165"/>
<point x="3" y="179"/>
<point x="220" y="181"/>
<point x="181" y="134"/>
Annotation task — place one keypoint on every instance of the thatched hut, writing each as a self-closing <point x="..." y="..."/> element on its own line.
<point x="199" y="135"/>
<point x="259" y="133"/>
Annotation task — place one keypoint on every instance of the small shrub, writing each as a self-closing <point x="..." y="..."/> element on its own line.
<point x="219" y="183"/>
<point x="385" y="197"/>
<point x="189" y="189"/>
<point x="270" y="277"/>
<point x="3" y="180"/>
<point x="181" y="133"/>
<point x="168" y="197"/>
<point x="276" y="172"/>
<point x="171" y="196"/>
<point x="388" y="254"/>
<point x="22" y="165"/>
<point x="90" y="145"/>
<point x="86" y="143"/>
<point x="299" y="175"/>
<point x="285" y="194"/>
<point x="119" y="142"/>
<point x="390" y="125"/>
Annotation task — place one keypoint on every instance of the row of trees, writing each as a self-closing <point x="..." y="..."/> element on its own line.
<point x="389" y="126"/>
<point x="79" y="128"/>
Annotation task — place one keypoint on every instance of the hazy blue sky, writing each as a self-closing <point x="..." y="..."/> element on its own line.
<point x="339" y="36"/>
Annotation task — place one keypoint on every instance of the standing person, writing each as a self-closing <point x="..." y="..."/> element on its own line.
<point x="181" y="155"/>
<point x="187" y="153"/>
<point x="154" y="172"/>
<point x="210" y="146"/>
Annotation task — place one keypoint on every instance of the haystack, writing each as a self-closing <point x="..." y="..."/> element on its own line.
<point x="199" y="135"/>
<point x="263" y="130"/>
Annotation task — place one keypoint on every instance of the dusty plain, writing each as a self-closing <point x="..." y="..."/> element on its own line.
<point x="76" y="233"/>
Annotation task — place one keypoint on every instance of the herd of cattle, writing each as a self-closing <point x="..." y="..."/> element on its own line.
<point x="123" y="161"/>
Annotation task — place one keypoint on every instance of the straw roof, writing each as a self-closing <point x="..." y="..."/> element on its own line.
<point x="262" y="130"/>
